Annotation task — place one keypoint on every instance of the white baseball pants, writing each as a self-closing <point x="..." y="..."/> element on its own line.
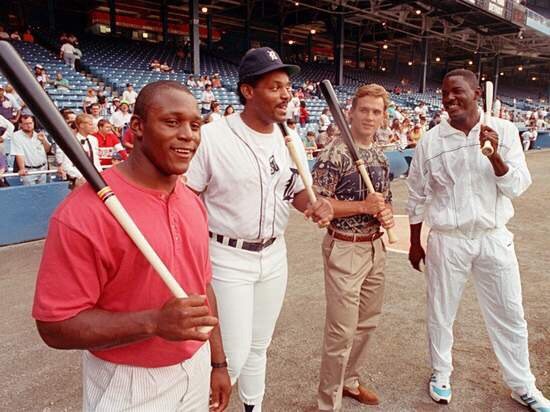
<point x="491" y="258"/>
<point x="250" y="288"/>
<point x="184" y="387"/>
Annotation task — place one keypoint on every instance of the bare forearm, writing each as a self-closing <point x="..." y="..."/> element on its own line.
<point x="300" y="201"/>
<point x="416" y="229"/>
<point x="20" y="160"/>
<point x="99" y="329"/>
<point x="216" y="345"/>
<point x="345" y="208"/>
<point x="498" y="164"/>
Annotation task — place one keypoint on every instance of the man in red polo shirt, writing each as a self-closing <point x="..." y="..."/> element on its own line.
<point x="108" y="143"/>
<point x="95" y="291"/>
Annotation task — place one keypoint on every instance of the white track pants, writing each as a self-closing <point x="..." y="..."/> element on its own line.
<point x="492" y="261"/>
<point x="249" y="287"/>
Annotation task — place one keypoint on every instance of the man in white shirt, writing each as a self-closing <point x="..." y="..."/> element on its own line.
<point x="324" y="120"/>
<point x="95" y="112"/>
<point x="465" y="198"/>
<point x="207" y="97"/>
<point x="421" y="109"/>
<point x="30" y="150"/>
<point x="129" y="95"/>
<point x="248" y="182"/>
<point x="121" y="117"/>
<point x="67" y="54"/>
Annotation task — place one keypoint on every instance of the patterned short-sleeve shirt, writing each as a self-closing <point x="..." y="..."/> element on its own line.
<point x="335" y="176"/>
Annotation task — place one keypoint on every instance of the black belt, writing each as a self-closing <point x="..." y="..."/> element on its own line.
<point x="35" y="167"/>
<point x="236" y="243"/>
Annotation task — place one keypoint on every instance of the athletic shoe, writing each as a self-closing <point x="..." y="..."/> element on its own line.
<point x="440" y="388"/>
<point x="534" y="400"/>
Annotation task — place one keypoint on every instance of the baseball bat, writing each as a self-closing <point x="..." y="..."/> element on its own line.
<point x="42" y="107"/>
<point x="340" y="120"/>
<point x="487" y="148"/>
<point x="296" y="159"/>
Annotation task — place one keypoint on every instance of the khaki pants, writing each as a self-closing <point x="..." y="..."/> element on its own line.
<point x="354" y="289"/>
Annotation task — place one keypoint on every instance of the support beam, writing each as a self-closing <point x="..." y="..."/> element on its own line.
<point x="247" y="35"/>
<point x="280" y="30"/>
<point x="479" y="66"/>
<point x="209" y="31"/>
<point x="164" y="20"/>
<point x="424" y="67"/>
<point x="51" y="14"/>
<point x="339" y="50"/>
<point x="378" y="58"/>
<point x="194" y="36"/>
<point x="496" y="76"/>
<point x="310" y="48"/>
<point x="396" y="60"/>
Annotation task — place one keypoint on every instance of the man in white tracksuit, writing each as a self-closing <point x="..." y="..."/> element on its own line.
<point x="248" y="182"/>
<point x="465" y="197"/>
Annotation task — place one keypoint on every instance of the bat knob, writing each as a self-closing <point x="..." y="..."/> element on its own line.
<point x="487" y="148"/>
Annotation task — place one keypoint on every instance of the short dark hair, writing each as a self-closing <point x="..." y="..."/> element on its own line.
<point x="468" y="75"/>
<point x="25" y="117"/>
<point x="251" y="81"/>
<point x="147" y="94"/>
<point x="102" y="123"/>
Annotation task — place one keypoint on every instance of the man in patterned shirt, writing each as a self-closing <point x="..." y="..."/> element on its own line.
<point x="353" y="252"/>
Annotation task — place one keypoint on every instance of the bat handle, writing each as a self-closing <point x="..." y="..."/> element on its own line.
<point x="115" y="207"/>
<point x="392" y="237"/>
<point x="487" y="148"/>
<point x="300" y="167"/>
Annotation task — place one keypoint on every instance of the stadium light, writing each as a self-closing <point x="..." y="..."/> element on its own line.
<point x="418" y="12"/>
<point x="385" y="46"/>
<point x="502" y="73"/>
<point x="313" y="31"/>
<point x="438" y="59"/>
<point x="410" y="63"/>
<point x="291" y="42"/>
<point x="520" y="68"/>
<point x="204" y="9"/>
<point x="145" y="35"/>
<point x="383" y="69"/>
<point x="483" y="78"/>
<point x="534" y="78"/>
<point x="384" y="24"/>
<point x="297" y="3"/>
<point x="470" y="62"/>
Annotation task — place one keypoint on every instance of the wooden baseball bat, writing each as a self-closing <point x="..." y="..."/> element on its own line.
<point x="296" y="159"/>
<point x="341" y="122"/>
<point x="42" y="107"/>
<point x="487" y="148"/>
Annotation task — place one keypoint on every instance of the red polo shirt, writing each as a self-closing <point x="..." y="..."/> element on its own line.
<point x="108" y="144"/>
<point x="90" y="262"/>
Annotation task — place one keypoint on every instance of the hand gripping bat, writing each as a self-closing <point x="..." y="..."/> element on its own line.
<point x="43" y="108"/>
<point x="338" y="115"/>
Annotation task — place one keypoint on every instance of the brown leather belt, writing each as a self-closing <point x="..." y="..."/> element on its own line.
<point x="355" y="237"/>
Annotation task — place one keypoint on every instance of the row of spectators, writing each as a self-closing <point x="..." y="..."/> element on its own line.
<point x="27" y="35"/>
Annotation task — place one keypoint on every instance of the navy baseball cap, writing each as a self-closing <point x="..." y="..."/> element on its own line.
<point x="261" y="61"/>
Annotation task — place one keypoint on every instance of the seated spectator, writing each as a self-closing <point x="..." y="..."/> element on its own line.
<point x="108" y="143"/>
<point x="415" y="135"/>
<point x="291" y="124"/>
<point x="121" y="118"/>
<point x="7" y="107"/>
<point x="115" y="104"/>
<point x="300" y="93"/>
<point x="383" y="135"/>
<point x="309" y="142"/>
<point x="399" y="136"/>
<point x="165" y="68"/>
<point x="41" y="75"/>
<point x="215" y="111"/>
<point x="324" y="120"/>
<point x="436" y="119"/>
<point x="421" y="109"/>
<point x="6" y="137"/>
<point x="130" y="96"/>
<point x="67" y="53"/>
<point x="4" y="35"/>
<point x="229" y="109"/>
<point x="89" y="99"/>
<point x="85" y="130"/>
<point x="207" y="81"/>
<point x="324" y="139"/>
<point x="207" y="98"/>
<point x="31" y="151"/>
<point x="200" y="82"/>
<point x="155" y="65"/>
<point x="216" y="82"/>
<point x="304" y="114"/>
<point x="191" y="82"/>
<point x="15" y="36"/>
<point x="95" y="112"/>
<point x="128" y="140"/>
<point x="28" y="37"/>
<point x="60" y="83"/>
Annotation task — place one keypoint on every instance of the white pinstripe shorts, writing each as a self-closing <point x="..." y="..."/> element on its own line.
<point x="112" y="387"/>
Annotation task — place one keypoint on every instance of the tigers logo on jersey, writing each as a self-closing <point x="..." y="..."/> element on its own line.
<point x="290" y="185"/>
<point x="273" y="164"/>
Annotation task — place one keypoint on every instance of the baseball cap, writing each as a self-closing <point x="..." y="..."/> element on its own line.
<point x="124" y="102"/>
<point x="261" y="61"/>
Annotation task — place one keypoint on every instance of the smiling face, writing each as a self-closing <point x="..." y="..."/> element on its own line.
<point x="269" y="97"/>
<point x="367" y="116"/>
<point x="459" y="99"/>
<point x="168" y="135"/>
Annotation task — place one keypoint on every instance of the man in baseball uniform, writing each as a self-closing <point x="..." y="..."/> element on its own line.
<point x="465" y="197"/>
<point x="248" y="182"/>
<point x="353" y="252"/>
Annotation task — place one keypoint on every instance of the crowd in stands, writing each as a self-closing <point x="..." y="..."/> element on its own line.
<point x="101" y="122"/>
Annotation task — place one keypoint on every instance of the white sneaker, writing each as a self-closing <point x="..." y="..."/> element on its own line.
<point x="534" y="400"/>
<point x="440" y="388"/>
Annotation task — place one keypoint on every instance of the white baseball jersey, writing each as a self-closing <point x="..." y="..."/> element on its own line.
<point x="247" y="178"/>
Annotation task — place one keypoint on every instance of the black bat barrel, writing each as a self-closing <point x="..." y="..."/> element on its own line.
<point x="34" y="96"/>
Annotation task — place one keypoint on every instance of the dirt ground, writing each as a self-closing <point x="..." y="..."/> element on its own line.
<point x="35" y="378"/>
